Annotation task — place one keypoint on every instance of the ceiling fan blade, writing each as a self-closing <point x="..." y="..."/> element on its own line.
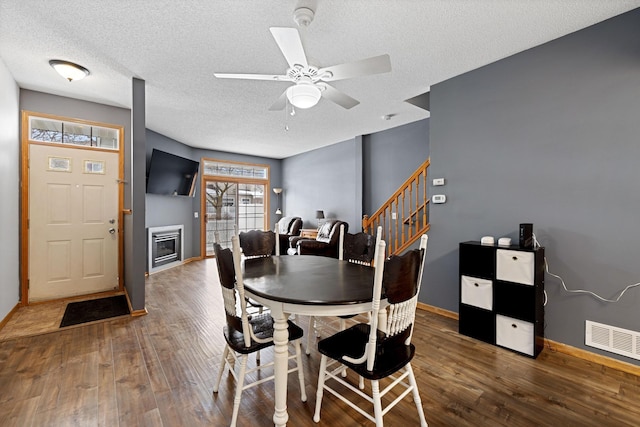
<point x="363" y="67"/>
<point x="289" y="42"/>
<point x="340" y="98"/>
<point x="252" y="76"/>
<point x="280" y="103"/>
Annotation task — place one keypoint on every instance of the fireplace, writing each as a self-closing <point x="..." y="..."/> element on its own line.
<point x="165" y="248"/>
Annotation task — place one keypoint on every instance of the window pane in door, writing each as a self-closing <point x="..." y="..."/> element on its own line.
<point x="229" y="205"/>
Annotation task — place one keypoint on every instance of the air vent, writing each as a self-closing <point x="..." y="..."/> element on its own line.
<point x="613" y="339"/>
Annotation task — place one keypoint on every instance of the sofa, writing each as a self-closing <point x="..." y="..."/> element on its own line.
<point x="326" y="242"/>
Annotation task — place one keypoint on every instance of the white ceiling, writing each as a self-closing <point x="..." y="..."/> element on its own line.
<point x="175" y="46"/>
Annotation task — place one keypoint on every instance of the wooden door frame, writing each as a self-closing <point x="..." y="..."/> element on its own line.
<point x="24" y="193"/>
<point x="237" y="180"/>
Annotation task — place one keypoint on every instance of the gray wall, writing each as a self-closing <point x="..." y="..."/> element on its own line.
<point x="354" y="177"/>
<point x="548" y="136"/>
<point x="10" y="192"/>
<point x="390" y="157"/>
<point x="328" y="179"/>
<point x="168" y="210"/>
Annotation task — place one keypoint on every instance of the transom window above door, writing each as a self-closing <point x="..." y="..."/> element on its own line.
<point x="238" y="170"/>
<point x="44" y="129"/>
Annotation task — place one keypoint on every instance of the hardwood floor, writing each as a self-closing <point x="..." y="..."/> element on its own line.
<point x="42" y="318"/>
<point x="158" y="370"/>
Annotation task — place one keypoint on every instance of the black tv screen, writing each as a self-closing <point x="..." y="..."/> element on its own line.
<point x="171" y="175"/>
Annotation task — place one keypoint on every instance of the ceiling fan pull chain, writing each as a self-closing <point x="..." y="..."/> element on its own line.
<point x="289" y="110"/>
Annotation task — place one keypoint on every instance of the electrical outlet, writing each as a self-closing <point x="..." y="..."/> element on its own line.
<point x="394" y="215"/>
<point x="195" y="214"/>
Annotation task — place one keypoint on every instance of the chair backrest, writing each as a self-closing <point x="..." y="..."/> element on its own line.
<point x="329" y="231"/>
<point x="398" y="278"/>
<point x="257" y="243"/>
<point x="295" y="226"/>
<point x="227" y="275"/>
<point x="401" y="285"/>
<point x="229" y="262"/>
<point x="357" y="248"/>
<point x="289" y="225"/>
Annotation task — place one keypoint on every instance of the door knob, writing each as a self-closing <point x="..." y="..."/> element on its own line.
<point x="112" y="230"/>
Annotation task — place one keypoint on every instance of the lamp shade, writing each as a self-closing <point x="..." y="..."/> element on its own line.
<point x="278" y="190"/>
<point x="319" y="214"/>
<point x="303" y="95"/>
<point x="69" y="70"/>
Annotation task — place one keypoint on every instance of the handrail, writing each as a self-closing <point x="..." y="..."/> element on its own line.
<point x="399" y="230"/>
<point x="409" y="220"/>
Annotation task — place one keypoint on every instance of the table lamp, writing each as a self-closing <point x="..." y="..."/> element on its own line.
<point x="319" y="216"/>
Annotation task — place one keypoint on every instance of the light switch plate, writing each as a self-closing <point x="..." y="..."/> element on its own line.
<point x="439" y="198"/>
<point x="438" y="181"/>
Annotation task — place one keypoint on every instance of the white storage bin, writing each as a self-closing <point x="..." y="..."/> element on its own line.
<point x="515" y="334"/>
<point x="515" y="266"/>
<point x="476" y="292"/>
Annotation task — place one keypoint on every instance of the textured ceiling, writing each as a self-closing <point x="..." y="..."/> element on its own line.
<point x="175" y="46"/>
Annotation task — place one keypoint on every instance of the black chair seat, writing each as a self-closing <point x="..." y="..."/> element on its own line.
<point x="390" y="357"/>
<point x="262" y="328"/>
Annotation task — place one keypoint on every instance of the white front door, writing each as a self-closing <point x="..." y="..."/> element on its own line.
<point x="73" y="221"/>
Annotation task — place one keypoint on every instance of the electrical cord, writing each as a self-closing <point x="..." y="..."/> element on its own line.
<point x="580" y="291"/>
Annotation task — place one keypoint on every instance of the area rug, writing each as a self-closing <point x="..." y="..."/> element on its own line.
<point x="95" y="309"/>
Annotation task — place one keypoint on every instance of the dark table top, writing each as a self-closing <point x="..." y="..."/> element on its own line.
<point x="309" y="280"/>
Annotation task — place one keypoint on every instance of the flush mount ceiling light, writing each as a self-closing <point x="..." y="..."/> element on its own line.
<point x="303" y="95"/>
<point x="69" y="70"/>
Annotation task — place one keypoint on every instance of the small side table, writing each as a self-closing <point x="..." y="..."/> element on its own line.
<point x="310" y="233"/>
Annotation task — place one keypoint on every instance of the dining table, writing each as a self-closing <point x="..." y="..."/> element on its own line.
<point x="304" y="285"/>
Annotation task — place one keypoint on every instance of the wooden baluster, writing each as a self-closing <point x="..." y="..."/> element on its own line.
<point x="412" y="188"/>
<point x="404" y="237"/>
<point x="396" y="223"/>
<point x="424" y="190"/>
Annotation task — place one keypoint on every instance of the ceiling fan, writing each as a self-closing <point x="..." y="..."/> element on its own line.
<point x="310" y="81"/>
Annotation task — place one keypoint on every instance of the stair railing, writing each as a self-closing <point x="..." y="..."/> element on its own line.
<point x="404" y="217"/>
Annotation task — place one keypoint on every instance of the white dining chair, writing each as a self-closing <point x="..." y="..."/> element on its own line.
<point x="245" y="335"/>
<point x="376" y="352"/>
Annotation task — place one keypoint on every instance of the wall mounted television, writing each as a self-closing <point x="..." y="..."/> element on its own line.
<point x="171" y="175"/>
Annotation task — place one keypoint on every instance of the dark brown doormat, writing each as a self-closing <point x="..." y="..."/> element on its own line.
<point x="95" y="309"/>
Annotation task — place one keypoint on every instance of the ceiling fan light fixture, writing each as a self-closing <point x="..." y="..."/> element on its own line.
<point x="303" y="95"/>
<point x="69" y="70"/>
